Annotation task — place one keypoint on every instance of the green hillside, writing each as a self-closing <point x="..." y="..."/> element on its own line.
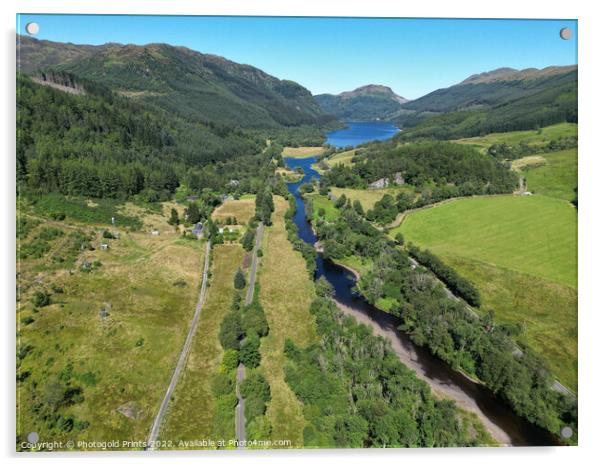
<point x="540" y="137"/>
<point x="197" y="86"/>
<point x="521" y="100"/>
<point x="98" y="144"/>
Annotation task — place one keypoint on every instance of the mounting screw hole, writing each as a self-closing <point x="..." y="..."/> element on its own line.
<point x="32" y="28"/>
<point x="566" y="33"/>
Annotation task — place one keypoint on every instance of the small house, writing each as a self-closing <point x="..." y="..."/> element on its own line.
<point x="155" y="232"/>
<point x="104" y="247"/>
<point x="197" y="230"/>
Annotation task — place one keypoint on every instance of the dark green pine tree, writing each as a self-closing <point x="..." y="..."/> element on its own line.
<point x="239" y="280"/>
<point x="194" y="215"/>
<point x="174" y="219"/>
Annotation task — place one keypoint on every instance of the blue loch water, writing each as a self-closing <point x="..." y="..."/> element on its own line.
<point x="358" y="132"/>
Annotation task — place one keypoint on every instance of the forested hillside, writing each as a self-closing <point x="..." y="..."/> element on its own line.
<point x="493" y="102"/>
<point x="443" y="164"/>
<point x="99" y="144"/>
<point x="201" y="87"/>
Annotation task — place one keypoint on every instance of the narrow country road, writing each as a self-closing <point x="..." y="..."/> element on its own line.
<point x="251" y="289"/>
<point x="156" y="427"/>
<point x="240" y="421"/>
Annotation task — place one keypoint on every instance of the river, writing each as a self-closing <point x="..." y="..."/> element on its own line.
<point x="505" y="426"/>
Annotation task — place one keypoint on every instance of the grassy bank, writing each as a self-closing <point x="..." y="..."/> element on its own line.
<point x="546" y="311"/>
<point x="286" y="294"/>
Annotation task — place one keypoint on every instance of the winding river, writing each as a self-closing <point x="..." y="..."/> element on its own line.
<point x="504" y="426"/>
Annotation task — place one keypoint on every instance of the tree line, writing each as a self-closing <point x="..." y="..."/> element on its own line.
<point x="357" y="394"/>
<point x="445" y="326"/>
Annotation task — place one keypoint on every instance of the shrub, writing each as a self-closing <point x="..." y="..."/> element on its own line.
<point x="27" y="320"/>
<point x="249" y="351"/>
<point x="231" y="331"/>
<point x="41" y="299"/>
<point x="221" y="384"/>
<point x="230" y="360"/>
<point x="254" y="320"/>
<point x="239" y="280"/>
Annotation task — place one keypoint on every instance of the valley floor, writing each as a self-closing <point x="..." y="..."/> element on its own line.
<point x="286" y="292"/>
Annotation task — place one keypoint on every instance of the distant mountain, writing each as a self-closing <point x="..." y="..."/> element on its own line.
<point x="370" y="102"/>
<point x="34" y="54"/>
<point x="504" y="99"/>
<point x="197" y="86"/>
<point x="494" y="88"/>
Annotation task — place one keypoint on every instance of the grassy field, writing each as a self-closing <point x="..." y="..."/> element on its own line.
<point x="368" y="197"/>
<point x="514" y="138"/>
<point x="302" y="152"/>
<point x="521" y="253"/>
<point x="342" y="158"/>
<point x="81" y="371"/>
<point x="546" y="311"/>
<point x="286" y="294"/>
<point x="190" y="415"/>
<point x="555" y="175"/>
<point x="535" y="235"/>
<point x="322" y="202"/>
<point x="243" y="209"/>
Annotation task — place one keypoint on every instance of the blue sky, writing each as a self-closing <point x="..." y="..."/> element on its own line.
<point x="412" y="56"/>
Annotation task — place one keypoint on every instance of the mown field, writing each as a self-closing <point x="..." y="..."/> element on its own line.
<point x="302" y="152"/>
<point x="242" y="209"/>
<point x="87" y="375"/>
<point x="521" y="253"/>
<point x="286" y="294"/>
<point x="535" y="235"/>
<point x="513" y="138"/>
<point x="192" y="412"/>
<point x="554" y="174"/>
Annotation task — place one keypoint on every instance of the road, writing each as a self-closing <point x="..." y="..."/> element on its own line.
<point x="156" y="427"/>
<point x="240" y="420"/>
<point x="251" y="289"/>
